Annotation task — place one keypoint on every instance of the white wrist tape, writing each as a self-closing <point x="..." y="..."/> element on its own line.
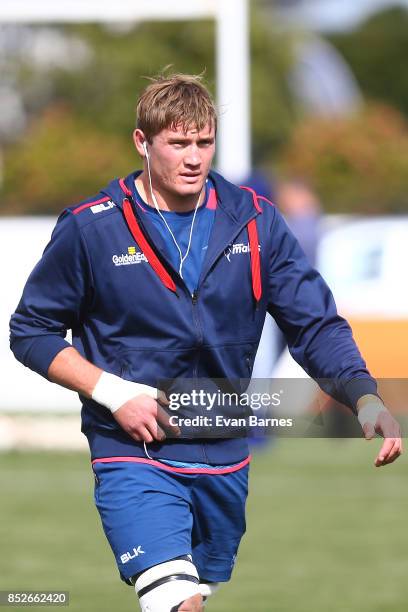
<point x="369" y="413"/>
<point x="112" y="391"/>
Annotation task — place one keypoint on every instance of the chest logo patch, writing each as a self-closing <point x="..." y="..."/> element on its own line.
<point x="127" y="259"/>
<point x="237" y="249"/>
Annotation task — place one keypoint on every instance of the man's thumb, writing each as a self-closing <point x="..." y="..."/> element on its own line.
<point x="369" y="431"/>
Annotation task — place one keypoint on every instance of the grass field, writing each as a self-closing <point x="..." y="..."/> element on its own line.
<point x="326" y="531"/>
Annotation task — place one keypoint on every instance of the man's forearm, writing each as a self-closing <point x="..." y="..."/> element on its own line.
<point x="72" y="371"/>
<point x="140" y="414"/>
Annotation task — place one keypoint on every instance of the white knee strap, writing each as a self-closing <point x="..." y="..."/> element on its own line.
<point x="167" y="585"/>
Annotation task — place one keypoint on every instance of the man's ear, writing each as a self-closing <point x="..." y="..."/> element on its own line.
<point x="139" y="140"/>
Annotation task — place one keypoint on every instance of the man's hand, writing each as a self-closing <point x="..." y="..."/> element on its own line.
<point x="135" y="406"/>
<point x="376" y="419"/>
<point x="143" y="418"/>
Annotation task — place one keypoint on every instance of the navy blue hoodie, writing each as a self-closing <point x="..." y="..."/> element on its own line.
<point x="106" y="276"/>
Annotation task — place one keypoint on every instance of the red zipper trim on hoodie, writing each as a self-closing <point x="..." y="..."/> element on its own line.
<point x="158" y="266"/>
<point x="255" y="260"/>
<point x="137" y="234"/>
<point x="254" y="248"/>
<point x="150" y="255"/>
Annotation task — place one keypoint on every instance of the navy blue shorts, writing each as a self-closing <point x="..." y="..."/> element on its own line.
<point x="151" y="515"/>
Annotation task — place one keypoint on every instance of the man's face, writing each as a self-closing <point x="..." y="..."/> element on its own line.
<point x="180" y="161"/>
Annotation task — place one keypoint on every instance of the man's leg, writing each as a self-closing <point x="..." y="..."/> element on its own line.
<point x="219" y="524"/>
<point x="146" y="516"/>
<point x="169" y="587"/>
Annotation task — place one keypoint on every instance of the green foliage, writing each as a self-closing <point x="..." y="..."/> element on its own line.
<point x="356" y="165"/>
<point x="59" y="162"/>
<point x="104" y="92"/>
<point x="85" y="134"/>
<point x="273" y="109"/>
<point x="377" y="53"/>
<point x="112" y="82"/>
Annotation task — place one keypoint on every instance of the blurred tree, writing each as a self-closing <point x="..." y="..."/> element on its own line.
<point x="61" y="161"/>
<point x="356" y="165"/>
<point x="272" y="104"/>
<point x="105" y="91"/>
<point x="110" y="84"/>
<point x="90" y="135"/>
<point x="377" y="53"/>
<point x="81" y="120"/>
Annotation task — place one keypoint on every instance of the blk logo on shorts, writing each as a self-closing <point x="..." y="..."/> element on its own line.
<point x="128" y="556"/>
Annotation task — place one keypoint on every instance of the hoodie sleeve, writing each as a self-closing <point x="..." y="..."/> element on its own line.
<point x="53" y="298"/>
<point x="318" y="338"/>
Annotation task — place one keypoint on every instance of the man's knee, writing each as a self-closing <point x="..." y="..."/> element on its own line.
<point x="208" y="588"/>
<point x="195" y="603"/>
<point x="169" y="587"/>
<point x="192" y="604"/>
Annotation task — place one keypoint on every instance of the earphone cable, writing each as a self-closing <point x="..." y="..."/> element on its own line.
<point x="182" y="258"/>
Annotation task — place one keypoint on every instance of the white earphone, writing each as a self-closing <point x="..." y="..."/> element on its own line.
<point x="144" y="145"/>
<point x="182" y="257"/>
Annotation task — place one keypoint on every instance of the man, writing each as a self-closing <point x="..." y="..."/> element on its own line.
<point x="167" y="274"/>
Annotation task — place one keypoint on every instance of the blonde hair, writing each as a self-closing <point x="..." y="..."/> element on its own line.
<point x="171" y="101"/>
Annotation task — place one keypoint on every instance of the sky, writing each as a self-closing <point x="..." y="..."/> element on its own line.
<point x="338" y="14"/>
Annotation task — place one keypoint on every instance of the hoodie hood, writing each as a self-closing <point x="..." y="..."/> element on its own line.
<point x="235" y="202"/>
<point x="236" y="208"/>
